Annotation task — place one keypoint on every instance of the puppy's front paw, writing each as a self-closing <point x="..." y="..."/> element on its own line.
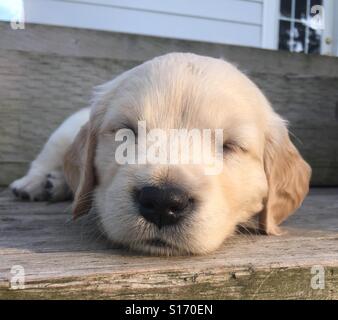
<point x="51" y="187"/>
<point x="30" y="187"/>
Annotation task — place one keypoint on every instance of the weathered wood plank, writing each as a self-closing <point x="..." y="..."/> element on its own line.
<point x="67" y="259"/>
<point x="83" y="43"/>
<point x="42" y="82"/>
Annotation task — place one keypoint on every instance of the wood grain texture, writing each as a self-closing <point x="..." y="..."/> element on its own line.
<point x="83" y="43"/>
<point x="46" y="73"/>
<point x="67" y="259"/>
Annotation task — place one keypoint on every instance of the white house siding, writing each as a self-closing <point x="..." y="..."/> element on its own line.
<point x="236" y="22"/>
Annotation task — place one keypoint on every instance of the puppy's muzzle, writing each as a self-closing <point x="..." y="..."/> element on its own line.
<point x="165" y="205"/>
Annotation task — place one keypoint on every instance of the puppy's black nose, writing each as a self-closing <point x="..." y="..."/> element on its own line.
<point x="164" y="205"/>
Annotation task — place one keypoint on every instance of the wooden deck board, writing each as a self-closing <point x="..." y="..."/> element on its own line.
<point x="67" y="259"/>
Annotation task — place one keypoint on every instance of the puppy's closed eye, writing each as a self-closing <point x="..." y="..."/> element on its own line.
<point x="113" y="130"/>
<point x="231" y="147"/>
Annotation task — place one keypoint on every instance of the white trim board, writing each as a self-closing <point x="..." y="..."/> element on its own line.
<point x="270" y="26"/>
<point x="207" y="28"/>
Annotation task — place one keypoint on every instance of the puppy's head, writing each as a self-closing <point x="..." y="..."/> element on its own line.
<point x="178" y="208"/>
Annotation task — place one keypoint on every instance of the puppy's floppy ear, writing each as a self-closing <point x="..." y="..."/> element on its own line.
<point x="79" y="169"/>
<point x="288" y="178"/>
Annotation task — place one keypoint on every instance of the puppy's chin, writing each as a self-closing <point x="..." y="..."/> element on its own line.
<point x="158" y="247"/>
<point x="150" y="243"/>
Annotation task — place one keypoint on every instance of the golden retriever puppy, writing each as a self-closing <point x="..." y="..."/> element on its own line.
<point x="173" y="207"/>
